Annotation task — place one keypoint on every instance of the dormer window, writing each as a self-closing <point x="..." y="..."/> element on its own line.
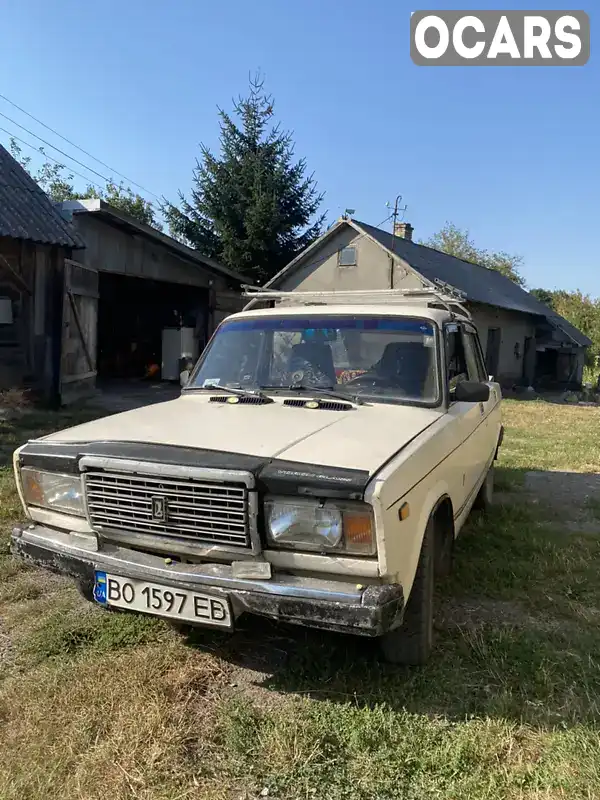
<point x="347" y="257"/>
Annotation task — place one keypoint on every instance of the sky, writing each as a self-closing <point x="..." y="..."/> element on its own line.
<point x="510" y="153"/>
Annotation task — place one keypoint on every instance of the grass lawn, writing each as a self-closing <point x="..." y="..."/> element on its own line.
<point x="98" y="705"/>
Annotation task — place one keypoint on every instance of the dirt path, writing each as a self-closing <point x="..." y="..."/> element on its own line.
<point x="573" y="496"/>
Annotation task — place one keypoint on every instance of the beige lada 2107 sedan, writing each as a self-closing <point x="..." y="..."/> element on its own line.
<point x="316" y="469"/>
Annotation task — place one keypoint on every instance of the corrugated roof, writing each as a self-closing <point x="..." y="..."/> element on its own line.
<point x="481" y="285"/>
<point x="26" y="211"/>
<point x="104" y="209"/>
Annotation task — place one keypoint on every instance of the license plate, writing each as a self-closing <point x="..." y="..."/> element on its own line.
<point x="162" y="601"/>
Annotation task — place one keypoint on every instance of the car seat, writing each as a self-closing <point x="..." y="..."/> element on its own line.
<point x="314" y="361"/>
<point x="405" y="365"/>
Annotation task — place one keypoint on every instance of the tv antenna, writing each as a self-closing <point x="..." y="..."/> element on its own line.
<point x="397" y="210"/>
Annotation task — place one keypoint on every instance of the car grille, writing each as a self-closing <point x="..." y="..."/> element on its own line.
<point x="204" y="511"/>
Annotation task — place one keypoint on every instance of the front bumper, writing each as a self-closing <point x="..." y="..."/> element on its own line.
<point x="314" y="602"/>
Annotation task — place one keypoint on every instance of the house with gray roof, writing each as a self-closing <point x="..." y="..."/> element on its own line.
<point x="525" y="342"/>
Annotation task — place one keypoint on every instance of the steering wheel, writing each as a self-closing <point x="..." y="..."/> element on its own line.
<point x="368" y="379"/>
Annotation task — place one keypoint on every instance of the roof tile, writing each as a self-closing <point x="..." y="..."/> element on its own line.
<point x="26" y="211"/>
<point x="480" y="284"/>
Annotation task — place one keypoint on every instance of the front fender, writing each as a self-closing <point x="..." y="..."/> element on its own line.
<point x="399" y="541"/>
<point x="423" y="509"/>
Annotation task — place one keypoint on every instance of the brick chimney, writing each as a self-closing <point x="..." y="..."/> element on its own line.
<point x="404" y="230"/>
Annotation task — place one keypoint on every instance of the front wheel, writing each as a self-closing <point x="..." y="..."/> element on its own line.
<point x="86" y="590"/>
<point x="411" y="643"/>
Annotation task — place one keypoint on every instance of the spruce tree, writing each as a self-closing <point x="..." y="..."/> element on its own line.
<point x="253" y="207"/>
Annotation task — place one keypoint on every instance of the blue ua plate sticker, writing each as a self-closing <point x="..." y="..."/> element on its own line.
<point x="100" y="588"/>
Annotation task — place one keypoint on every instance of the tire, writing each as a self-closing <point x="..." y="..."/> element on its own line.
<point x="86" y="590"/>
<point x="485" y="495"/>
<point x="411" y="643"/>
<point x="444" y="548"/>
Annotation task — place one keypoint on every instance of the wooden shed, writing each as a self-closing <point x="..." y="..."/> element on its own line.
<point x="87" y="292"/>
<point x="144" y="283"/>
<point x="37" y="275"/>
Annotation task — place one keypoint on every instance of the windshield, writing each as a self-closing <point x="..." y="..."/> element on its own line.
<point x="386" y="358"/>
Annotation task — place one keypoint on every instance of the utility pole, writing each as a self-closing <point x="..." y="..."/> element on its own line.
<point x="395" y="212"/>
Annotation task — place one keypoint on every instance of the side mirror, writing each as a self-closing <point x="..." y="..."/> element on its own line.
<point x="472" y="392"/>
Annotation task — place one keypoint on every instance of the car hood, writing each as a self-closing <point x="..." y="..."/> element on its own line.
<point x="363" y="438"/>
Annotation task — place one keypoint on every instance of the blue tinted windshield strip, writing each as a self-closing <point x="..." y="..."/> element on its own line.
<point x="331" y="323"/>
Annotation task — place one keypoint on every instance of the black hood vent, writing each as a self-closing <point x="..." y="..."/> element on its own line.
<point x="323" y="405"/>
<point x="234" y="399"/>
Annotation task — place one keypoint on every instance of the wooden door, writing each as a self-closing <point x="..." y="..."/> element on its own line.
<point x="528" y="361"/>
<point x="492" y="352"/>
<point x="79" y="337"/>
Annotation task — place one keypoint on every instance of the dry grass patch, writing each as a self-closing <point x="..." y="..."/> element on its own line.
<point x="119" y="726"/>
<point x="548" y="436"/>
<point x="15" y="399"/>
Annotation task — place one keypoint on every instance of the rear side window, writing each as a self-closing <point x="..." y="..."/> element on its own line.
<point x="473" y="357"/>
<point x="456" y="364"/>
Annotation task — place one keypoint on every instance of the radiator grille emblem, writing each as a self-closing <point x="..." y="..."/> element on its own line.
<point x="159" y="508"/>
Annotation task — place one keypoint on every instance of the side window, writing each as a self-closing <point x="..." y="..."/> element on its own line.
<point x="225" y="365"/>
<point x="456" y="365"/>
<point x="473" y="357"/>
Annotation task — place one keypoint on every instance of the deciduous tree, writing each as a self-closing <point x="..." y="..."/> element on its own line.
<point x="58" y="183"/>
<point x="457" y="242"/>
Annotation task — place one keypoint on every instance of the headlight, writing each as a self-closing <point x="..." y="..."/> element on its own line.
<point x="312" y="525"/>
<point x="54" y="491"/>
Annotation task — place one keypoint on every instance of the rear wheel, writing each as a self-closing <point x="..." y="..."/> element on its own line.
<point x="411" y="643"/>
<point x="485" y="496"/>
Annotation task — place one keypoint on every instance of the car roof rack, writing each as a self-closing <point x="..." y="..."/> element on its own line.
<point x="442" y="294"/>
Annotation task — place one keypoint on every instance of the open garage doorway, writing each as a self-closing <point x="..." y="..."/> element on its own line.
<point x="132" y="314"/>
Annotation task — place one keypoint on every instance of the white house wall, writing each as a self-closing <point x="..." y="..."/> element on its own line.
<point x="321" y="272"/>
<point x="514" y="329"/>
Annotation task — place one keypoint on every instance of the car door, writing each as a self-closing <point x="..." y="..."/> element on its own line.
<point x="476" y="367"/>
<point x="465" y="462"/>
<point x="486" y="434"/>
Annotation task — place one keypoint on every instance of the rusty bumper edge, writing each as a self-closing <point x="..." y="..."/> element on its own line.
<point x="375" y="611"/>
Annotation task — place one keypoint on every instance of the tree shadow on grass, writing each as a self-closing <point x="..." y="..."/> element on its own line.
<point x="516" y="636"/>
<point x="539" y="676"/>
<point x="32" y="424"/>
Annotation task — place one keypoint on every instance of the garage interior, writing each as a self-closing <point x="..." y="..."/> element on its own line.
<point x="154" y="304"/>
<point x="132" y="315"/>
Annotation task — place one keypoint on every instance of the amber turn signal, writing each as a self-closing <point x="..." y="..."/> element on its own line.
<point x="358" y="531"/>
<point x="32" y="487"/>
<point x="403" y="512"/>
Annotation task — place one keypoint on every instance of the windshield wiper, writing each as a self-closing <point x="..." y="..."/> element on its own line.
<point x="302" y="387"/>
<point x="239" y="392"/>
